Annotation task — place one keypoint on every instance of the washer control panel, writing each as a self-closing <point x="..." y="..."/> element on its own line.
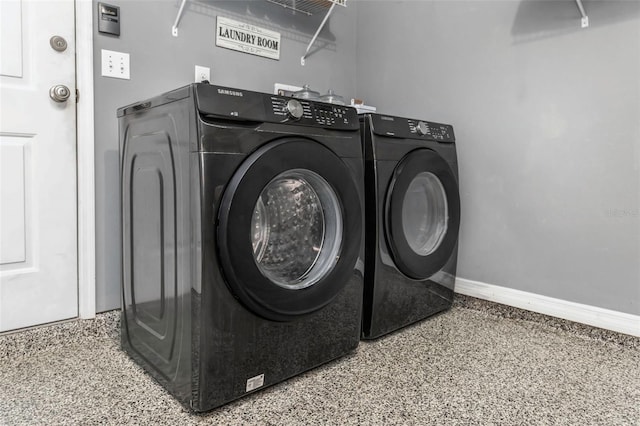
<point x="244" y="105"/>
<point x="313" y="112"/>
<point x="408" y="128"/>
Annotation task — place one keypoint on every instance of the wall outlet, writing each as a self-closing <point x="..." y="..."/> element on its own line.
<point x="202" y="74"/>
<point x="285" y="89"/>
<point x="115" y="64"/>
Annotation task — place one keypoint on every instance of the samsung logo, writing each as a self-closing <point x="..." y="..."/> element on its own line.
<point x="387" y="118"/>
<point x="230" y="92"/>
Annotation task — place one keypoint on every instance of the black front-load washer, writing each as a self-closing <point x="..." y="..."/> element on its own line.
<point x="412" y="221"/>
<point x="242" y="217"/>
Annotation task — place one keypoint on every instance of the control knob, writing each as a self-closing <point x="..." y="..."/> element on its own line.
<point x="422" y="128"/>
<point x="294" y="109"/>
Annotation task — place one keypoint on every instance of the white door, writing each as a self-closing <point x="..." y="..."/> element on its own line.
<point x="38" y="197"/>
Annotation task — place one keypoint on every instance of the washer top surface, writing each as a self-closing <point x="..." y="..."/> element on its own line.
<point x="233" y="104"/>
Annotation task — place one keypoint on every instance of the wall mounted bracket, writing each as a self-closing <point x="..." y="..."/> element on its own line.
<point x="174" y="28"/>
<point x="315" y="36"/>
<point x="585" y="18"/>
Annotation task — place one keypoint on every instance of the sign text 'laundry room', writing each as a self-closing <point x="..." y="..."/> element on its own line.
<point x="247" y="38"/>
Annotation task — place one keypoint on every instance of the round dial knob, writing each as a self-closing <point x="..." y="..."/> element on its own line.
<point x="422" y="128"/>
<point x="59" y="93"/>
<point x="294" y="108"/>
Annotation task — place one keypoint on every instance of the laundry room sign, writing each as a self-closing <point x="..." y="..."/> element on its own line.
<point x="247" y="38"/>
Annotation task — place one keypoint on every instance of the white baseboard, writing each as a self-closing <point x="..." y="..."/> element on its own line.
<point x="585" y="314"/>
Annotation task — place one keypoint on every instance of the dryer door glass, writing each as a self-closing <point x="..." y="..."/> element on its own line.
<point x="422" y="213"/>
<point x="296" y="229"/>
<point x="425" y="213"/>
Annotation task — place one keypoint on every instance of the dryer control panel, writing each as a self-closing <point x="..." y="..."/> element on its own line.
<point x="399" y="127"/>
<point x="244" y="105"/>
<point x="435" y="131"/>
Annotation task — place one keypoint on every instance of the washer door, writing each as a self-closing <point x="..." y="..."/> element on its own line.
<point x="289" y="229"/>
<point x="422" y="212"/>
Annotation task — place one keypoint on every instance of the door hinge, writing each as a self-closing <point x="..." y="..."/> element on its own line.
<point x="77" y="96"/>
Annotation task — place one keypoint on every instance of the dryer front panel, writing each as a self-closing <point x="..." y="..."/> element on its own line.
<point x="422" y="214"/>
<point x="289" y="228"/>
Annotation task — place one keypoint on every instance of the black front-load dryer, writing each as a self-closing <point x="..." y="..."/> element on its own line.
<point x="242" y="217"/>
<point x="412" y="221"/>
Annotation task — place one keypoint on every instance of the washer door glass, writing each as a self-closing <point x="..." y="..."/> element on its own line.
<point x="296" y="229"/>
<point x="289" y="228"/>
<point x="425" y="213"/>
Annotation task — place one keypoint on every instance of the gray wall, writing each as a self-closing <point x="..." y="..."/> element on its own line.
<point x="161" y="62"/>
<point x="547" y="118"/>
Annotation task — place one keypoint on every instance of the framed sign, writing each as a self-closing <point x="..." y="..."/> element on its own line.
<point x="247" y="38"/>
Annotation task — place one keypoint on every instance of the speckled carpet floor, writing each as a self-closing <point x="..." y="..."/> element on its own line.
<point x="478" y="363"/>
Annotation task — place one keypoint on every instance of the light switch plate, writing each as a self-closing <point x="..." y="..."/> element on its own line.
<point x="115" y="64"/>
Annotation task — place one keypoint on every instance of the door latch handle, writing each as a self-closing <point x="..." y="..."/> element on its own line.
<point x="59" y="93"/>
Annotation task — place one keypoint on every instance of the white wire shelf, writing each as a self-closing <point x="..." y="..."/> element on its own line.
<point x="308" y="7"/>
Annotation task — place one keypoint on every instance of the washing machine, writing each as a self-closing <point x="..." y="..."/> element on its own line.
<point x="242" y="239"/>
<point x="412" y="219"/>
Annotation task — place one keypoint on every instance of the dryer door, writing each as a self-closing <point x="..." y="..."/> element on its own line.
<point x="289" y="228"/>
<point x="422" y="212"/>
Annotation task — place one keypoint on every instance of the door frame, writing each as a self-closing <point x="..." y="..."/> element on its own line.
<point x="85" y="159"/>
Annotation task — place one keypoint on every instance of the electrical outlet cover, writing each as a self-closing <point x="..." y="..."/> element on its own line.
<point x="279" y="88"/>
<point x="202" y="74"/>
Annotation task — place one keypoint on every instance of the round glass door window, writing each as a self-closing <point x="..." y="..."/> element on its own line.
<point x="425" y="214"/>
<point x="296" y="229"/>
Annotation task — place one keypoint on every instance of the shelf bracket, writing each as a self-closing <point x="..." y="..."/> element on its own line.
<point x="174" y="29"/>
<point x="585" y="18"/>
<point x="315" y="36"/>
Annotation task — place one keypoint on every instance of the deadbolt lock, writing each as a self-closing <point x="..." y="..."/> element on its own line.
<point x="58" y="43"/>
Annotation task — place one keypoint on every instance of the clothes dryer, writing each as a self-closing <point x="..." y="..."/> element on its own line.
<point x="412" y="220"/>
<point x="242" y="238"/>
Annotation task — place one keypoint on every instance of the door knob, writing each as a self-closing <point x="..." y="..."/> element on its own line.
<point x="59" y="93"/>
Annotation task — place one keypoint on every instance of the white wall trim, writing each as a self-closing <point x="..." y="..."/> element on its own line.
<point x="86" y="165"/>
<point x="585" y="314"/>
